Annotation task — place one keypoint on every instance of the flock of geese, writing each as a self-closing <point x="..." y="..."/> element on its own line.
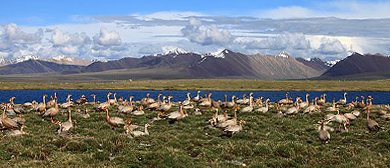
<point x="13" y="122"/>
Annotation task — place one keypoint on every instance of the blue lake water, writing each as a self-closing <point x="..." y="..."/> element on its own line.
<point x="179" y="95"/>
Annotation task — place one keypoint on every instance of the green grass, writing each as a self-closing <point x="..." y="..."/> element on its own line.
<point x="209" y="84"/>
<point x="266" y="141"/>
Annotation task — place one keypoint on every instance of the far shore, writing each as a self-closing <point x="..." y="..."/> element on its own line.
<point x="206" y="84"/>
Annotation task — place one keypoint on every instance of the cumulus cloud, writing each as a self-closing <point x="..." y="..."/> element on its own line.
<point x="206" y="35"/>
<point x="295" y="41"/>
<point x="13" y="40"/>
<point x="13" y="34"/>
<point x="60" y="38"/>
<point x="331" y="47"/>
<point x="107" y="38"/>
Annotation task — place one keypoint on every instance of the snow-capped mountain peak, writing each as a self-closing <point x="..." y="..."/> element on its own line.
<point x="218" y="54"/>
<point x="173" y="50"/>
<point x="283" y="54"/>
<point x="332" y="63"/>
<point x="63" y="58"/>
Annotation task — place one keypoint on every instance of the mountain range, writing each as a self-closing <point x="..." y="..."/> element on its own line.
<point x="179" y="64"/>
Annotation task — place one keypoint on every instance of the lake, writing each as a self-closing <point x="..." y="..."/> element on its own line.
<point x="179" y="95"/>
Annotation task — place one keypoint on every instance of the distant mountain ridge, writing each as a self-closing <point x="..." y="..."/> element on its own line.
<point x="359" y="66"/>
<point x="224" y="63"/>
<point x="38" y="66"/>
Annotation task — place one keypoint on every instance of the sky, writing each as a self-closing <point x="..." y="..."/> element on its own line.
<point x="112" y="29"/>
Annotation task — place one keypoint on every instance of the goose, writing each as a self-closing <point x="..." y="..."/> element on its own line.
<point x="206" y="102"/>
<point x="41" y="107"/>
<point x="325" y="127"/>
<point x="341" y="120"/>
<point x="17" y="132"/>
<point x="279" y="113"/>
<point x="243" y="100"/>
<point x="85" y="114"/>
<point x="68" y="103"/>
<point x="167" y="106"/>
<point x="50" y="104"/>
<point x="352" y="115"/>
<point x="293" y="110"/>
<point x="369" y="103"/>
<point x="313" y="107"/>
<point x="122" y="105"/>
<point x="67" y="126"/>
<point x="140" y="133"/>
<point x="231" y="121"/>
<point x="322" y="100"/>
<point x="7" y="122"/>
<point x="216" y="104"/>
<point x="82" y="100"/>
<point x="344" y="100"/>
<point x="250" y="107"/>
<point x="333" y="107"/>
<point x="128" y="108"/>
<point x="188" y="107"/>
<point x="323" y="134"/>
<point x="264" y="109"/>
<point x="197" y="97"/>
<point x="259" y="101"/>
<point x="129" y="127"/>
<point x="230" y="105"/>
<point x="356" y="113"/>
<point x="177" y="115"/>
<point x="113" y="101"/>
<point x="221" y="117"/>
<point x="139" y="111"/>
<point x="204" y="98"/>
<point x="305" y="104"/>
<point x="197" y="112"/>
<point x="234" y="129"/>
<point x="52" y="112"/>
<point x="107" y="104"/>
<point x="372" y="125"/>
<point x="94" y="98"/>
<point x="114" y="121"/>
<point x="361" y="104"/>
<point x="157" y="118"/>
<point x="187" y="101"/>
<point x="284" y="101"/>
<point x="18" y="109"/>
<point x="146" y="101"/>
<point x="156" y="104"/>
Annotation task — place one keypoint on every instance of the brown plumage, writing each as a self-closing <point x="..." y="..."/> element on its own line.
<point x="114" y="121"/>
<point x="372" y="125"/>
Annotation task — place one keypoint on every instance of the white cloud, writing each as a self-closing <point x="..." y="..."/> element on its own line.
<point x="69" y="50"/>
<point x="60" y="38"/>
<point x="167" y="15"/>
<point x="331" y="47"/>
<point x="107" y="38"/>
<point x="295" y="41"/>
<point x="206" y="35"/>
<point x="13" y="34"/>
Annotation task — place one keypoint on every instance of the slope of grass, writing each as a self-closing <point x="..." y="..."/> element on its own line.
<point x="266" y="141"/>
<point x="209" y="84"/>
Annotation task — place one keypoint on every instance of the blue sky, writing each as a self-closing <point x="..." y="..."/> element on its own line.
<point x="112" y="29"/>
<point x="44" y="12"/>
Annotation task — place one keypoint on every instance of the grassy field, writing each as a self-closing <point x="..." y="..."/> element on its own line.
<point x="266" y="141"/>
<point x="210" y="84"/>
